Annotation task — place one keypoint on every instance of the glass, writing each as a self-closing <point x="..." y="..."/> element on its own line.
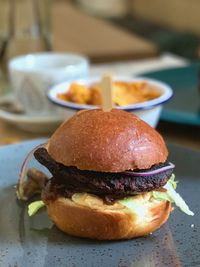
<point x="4" y="19"/>
<point x="5" y="25"/>
<point x="24" y="28"/>
<point x="29" y="27"/>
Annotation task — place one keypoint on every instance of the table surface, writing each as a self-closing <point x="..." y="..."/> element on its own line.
<point x="75" y="31"/>
<point x="173" y="133"/>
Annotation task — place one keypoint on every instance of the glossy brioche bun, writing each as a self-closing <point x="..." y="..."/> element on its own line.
<point x="112" y="141"/>
<point x="87" y="218"/>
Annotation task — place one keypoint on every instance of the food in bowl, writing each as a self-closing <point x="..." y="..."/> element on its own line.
<point x="124" y="93"/>
<point x="110" y="176"/>
<point x="149" y="111"/>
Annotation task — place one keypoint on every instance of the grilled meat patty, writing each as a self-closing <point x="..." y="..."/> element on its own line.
<point x="110" y="186"/>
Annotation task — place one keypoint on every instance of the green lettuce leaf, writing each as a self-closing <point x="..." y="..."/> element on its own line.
<point x="162" y="196"/>
<point x="172" y="196"/>
<point x="35" y="206"/>
<point x="173" y="182"/>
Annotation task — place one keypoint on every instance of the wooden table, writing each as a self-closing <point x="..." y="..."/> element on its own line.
<point x="101" y="41"/>
<point x="10" y="134"/>
<point x="72" y="30"/>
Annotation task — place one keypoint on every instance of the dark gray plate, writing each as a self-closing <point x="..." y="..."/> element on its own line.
<point x="35" y="241"/>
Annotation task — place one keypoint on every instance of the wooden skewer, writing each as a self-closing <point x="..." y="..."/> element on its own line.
<point x="107" y="92"/>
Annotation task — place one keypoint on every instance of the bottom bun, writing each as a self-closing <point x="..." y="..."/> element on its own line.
<point x="88" y="216"/>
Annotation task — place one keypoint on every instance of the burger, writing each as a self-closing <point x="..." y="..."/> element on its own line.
<point x="110" y="176"/>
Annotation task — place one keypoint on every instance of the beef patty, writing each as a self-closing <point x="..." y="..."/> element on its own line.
<point x="108" y="185"/>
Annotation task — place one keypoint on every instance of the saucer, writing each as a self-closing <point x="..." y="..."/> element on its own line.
<point x="34" y="124"/>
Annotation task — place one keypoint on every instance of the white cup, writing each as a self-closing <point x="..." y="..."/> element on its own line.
<point x="32" y="75"/>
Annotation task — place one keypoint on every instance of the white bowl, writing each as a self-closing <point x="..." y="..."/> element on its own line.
<point x="148" y="111"/>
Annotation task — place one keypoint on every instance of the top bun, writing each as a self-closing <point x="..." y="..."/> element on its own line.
<point x="113" y="141"/>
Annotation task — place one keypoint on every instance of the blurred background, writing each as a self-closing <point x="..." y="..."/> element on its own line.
<point x="127" y="37"/>
<point x="171" y="26"/>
